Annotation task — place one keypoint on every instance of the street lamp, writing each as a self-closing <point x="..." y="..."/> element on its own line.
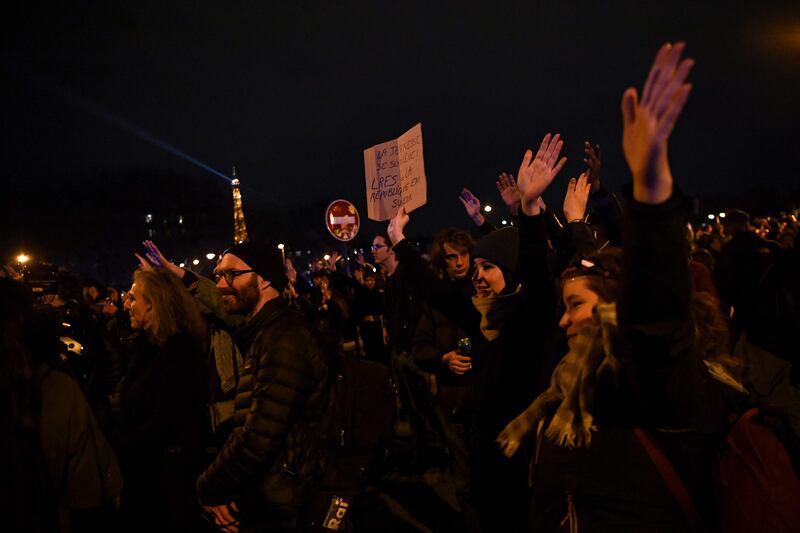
<point x="722" y="215"/>
<point x="711" y="216"/>
<point x="283" y="254"/>
<point x="210" y="255"/>
<point x="196" y="262"/>
<point x="487" y="208"/>
<point x="23" y="258"/>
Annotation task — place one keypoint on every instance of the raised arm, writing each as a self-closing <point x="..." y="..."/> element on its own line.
<point x="654" y="305"/>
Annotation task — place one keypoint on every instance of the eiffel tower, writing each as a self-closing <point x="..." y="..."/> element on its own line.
<point x="239" y="227"/>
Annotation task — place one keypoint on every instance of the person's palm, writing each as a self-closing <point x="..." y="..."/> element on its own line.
<point x="536" y="173"/>
<point x="509" y="191"/>
<point x="646" y="125"/>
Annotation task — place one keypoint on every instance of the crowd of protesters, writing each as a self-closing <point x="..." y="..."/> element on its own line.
<point x="576" y="371"/>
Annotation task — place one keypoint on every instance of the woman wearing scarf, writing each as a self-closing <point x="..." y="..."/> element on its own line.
<point x="635" y="364"/>
<point x="517" y="306"/>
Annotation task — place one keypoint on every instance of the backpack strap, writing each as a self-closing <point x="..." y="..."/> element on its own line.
<point x="671" y="479"/>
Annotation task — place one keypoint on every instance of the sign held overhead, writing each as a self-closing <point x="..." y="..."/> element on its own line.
<point x="395" y="175"/>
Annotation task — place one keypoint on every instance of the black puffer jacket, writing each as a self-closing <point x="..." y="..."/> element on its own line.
<point x="276" y="445"/>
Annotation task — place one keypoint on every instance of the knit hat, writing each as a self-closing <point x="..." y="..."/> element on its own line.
<point x="265" y="260"/>
<point x="500" y="247"/>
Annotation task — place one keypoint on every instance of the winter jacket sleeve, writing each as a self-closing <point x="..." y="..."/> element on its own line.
<point x="654" y="314"/>
<point x="284" y="381"/>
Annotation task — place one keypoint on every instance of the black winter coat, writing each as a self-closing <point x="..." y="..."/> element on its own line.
<point x="276" y="446"/>
<point x="662" y="386"/>
<point x="163" y="402"/>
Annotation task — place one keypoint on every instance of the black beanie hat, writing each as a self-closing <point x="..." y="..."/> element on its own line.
<point x="500" y="247"/>
<point x="265" y="260"/>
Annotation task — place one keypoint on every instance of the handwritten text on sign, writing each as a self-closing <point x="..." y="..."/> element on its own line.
<point x="395" y="172"/>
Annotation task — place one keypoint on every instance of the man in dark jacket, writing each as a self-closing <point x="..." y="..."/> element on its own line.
<point x="262" y="474"/>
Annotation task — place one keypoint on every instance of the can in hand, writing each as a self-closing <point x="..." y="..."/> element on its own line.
<point x="465" y="346"/>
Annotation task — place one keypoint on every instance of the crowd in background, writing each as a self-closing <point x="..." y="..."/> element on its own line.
<point x="536" y="365"/>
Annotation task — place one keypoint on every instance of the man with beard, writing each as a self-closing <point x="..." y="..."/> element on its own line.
<point x="260" y="476"/>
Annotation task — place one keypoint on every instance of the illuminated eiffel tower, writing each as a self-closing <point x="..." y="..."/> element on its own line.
<point x="239" y="227"/>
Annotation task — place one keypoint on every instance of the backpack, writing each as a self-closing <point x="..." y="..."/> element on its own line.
<point x="362" y="416"/>
<point x="757" y="485"/>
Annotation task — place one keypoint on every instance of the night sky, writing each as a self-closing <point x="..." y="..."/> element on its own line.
<point x="292" y="94"/>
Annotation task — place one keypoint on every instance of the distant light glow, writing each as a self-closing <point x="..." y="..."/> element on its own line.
<point x="504" y="222"/>
<point x="210" y="255"/>
<point x="487" y="208"/>
<point x="182" y="265"/>
<point x="722" y="215"/>
<point x="326" y="257"/>
<point x="23" y="258"/>
<point x="148" y="218"/>
<point x="196" y="262"/>
<point x="281" y="246"/>
<point x="711" y="216"/>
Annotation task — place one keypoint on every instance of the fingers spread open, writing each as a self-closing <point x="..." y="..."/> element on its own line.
<point x="655" y="70"/>
<point x="526" y="159"/>
<point x="667" y="120"/>
<point x="559" y="166"/>
<point x="668" y="94"/>
<point x="543" y="147"/>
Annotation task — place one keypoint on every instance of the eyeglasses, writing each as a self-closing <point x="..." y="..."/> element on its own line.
<point x="229" y="275"/>
<point x="377" y="247"/>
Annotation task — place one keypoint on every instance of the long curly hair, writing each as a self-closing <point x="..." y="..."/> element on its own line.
<point x="173" y="308"/>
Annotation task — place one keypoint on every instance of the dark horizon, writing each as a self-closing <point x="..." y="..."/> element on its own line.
<point x="292" y="94"/>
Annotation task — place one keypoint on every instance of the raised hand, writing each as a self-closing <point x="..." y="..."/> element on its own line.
<point x="647" y="124"/>
<point x="509" y="192"/>
<point x="155" y="257"/>
<point x="593" y="160"/>
<point x="576" y="198"/>
<point x="144" y="264"/>
<point x="472" y="205"/>
<point x="291" y="273"/>
<point x="397" y="225"/>
<point x="333" y="260"/>
<point x="536" y="173"/>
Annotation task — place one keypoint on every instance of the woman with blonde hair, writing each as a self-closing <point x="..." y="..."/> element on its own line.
<point x="163" y="399"/>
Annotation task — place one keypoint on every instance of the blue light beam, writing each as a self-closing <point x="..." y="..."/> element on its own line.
<point x="143" y="134"/>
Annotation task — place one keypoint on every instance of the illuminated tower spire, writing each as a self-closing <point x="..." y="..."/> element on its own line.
<point x="239" y="227"/>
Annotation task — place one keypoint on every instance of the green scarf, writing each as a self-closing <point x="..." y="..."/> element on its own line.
<point x="569" y="398"/>
<point x="495" y="310"/>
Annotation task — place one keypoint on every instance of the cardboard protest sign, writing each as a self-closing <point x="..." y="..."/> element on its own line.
<point x="395" y="172"/>
<point x="342" y="220"/>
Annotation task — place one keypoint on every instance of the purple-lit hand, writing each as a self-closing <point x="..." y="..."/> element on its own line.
<point x="472" y="205"/>
<point x="647" y="124"/>
<point x="143" y="263"/>
<point x="158" y="259"/>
